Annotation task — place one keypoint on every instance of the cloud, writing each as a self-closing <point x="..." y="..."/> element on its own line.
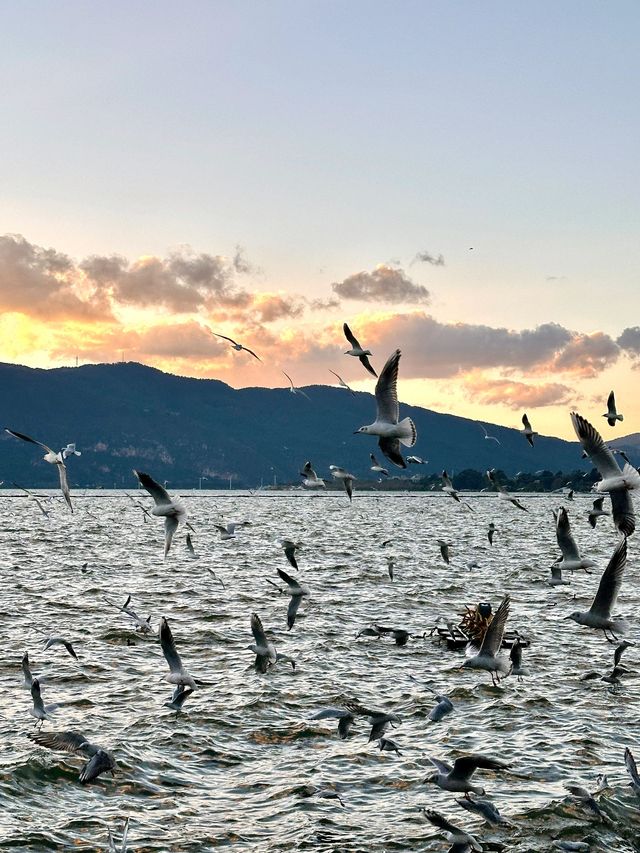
<point x="270" y="307"/>
<point x="384" y="284"/>
<point x="43" y="283"/>
<point x="517" y="395"/>
<point x="181" y="340"/>
<point x="427" y="258"/>
<point x="629" y="340"/>
<point x="586" y="355"/>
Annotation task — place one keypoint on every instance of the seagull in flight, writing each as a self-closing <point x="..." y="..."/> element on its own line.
<point x="347" y="479"/>
<point x="611" y="414"/>
<point x="177" y="673"/>
<point x="377" y="467"/>
<point x="237" y="346"/>
<point x="489" y="437"/>
<point x="571" y="558"/>
<point x="311" y="479"/>
<point x="456" y="836"/>
<point x="264" y="649"/>
<point x="52" y="458"/>
<point x="597" y="511"/>
<point x="458" y="777"/>
<point x="528" y="433"/>
<point x="100" y="761"/>
<point x="503" y="494"/>
<point x="357" y="351"/>
<point x="295" y="390"/>
<point x="415" y="460"/>
<point x="341" y="382"/>
<point x="40" y="711"/>
<point x="56" y="641"/>
<point x="447" y="486"/>
<point x="390" y="431"/>
<point x="172" y="509"/>
<point x="296" y="590"/>
<point x="487" y="656"/>
<point x="599" y="616"/>
<point x="345" y="719"/>
<point x="615" y="481"/>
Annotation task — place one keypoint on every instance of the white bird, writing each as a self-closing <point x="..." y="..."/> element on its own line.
<point x="229" y="531"/>
<point x="377" y="467"/>
<point x="171" y="509"/>
<point x="597" y="511"/>
<point x="40" y="711"/>
<point x="487" y="436"/>
<point x="599" y="616"/>
<point x="458" y="777"/>
<point x="528" y="433"/>
<point x="391" y="432"/>
<point x="571" y="558"/>
<point x="177" y="673"/>
<point x="615" y="481"/>
<point x="357" y="351"/>
<point x="237" y="346"/>
<point x="341" y="382"/>
<point x="347" y="479"/>
<point x="311" y="481"/>
<point x="70" y="450"/>
<point x="611" y="414"/>
<point x="487" y="656"/>
<point x="297" y="591"/>
<point x="447" y="486"/>
<point x="416" y="460"/>
<point x="52" y="458"/>
<point x="503" y="494"/>
<point x="295" y="390"/>
<point x="264" y="649"/>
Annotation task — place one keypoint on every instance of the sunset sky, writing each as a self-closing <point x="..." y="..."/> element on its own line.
<point x="457" y="179"/>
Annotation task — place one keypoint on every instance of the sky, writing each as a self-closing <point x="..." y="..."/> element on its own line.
<point x="457" y="180"/>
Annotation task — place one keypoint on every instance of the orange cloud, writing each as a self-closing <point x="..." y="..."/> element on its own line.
<point x="517" y="395"/>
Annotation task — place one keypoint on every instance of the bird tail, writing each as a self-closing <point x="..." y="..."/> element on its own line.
<point x="409" y="432"/>
<point x="631" y="476"/>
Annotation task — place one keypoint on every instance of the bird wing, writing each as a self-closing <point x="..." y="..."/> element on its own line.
<point x="624" y="516"/>
<point x="344" y="726"/>
<point x="258" y="631"/>
<point x="190" y="547"/>
<point x="596" y="449"/>
<point x="63" y="741"/>
<point x="611" y="403"/>
<point x="630" y="764"/>
<point x="364" y="359"/>
<point x="598" y="503"/>
<point x="464" y="767"/>
<point x="170" y="527"/>
<point x="294" y="604"/>
<point x="566" y="542"/>
<point x="610" y="582"/>
<point x="69" y="648"/>
<point x="224" y="337"/>
<point x="619" y="651"/>
<point x="442" y="766"/>
<point x="493" y="638"/>
<point x="441" y="821"/>
<point x="169" y="647"/>
<point x="27" y="438"/>
<point x="308" y="471"/>
<point x="251" y="352"/>
<point x="64" y="486"/>
<point x="97" y="764"/>
<point x="348" y="487"/>
<point x="290" y="379"/>
<point x="350" y="337"/>
<point x="391" y="449"/>
<point x="157" y="492"/>
<point x="525" y="421"/>
<point x="291" y="582"/>
<point x="387" y="391"/>
<point x="446" y="481"/>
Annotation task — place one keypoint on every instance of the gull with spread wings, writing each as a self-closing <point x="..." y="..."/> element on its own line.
<point x="341" y="382"/>
<point x="599" y="616"/>
<point x="357" y="351"/>
<point x="172" y="509"/>
<point x="52" y="458"/>
<point x="487" y="656"/>
<point x="237" y="346"/>
<point x="293" y="388"/>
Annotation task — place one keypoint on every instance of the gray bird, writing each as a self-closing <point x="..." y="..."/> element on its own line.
<point x="491" y="533"/>
<point x="454" y="834"/>
<point x="587" y="800"/>
<point x="56" y="641"/>
<point x="618" y="670"/>
<point x="597" y="511"/>
<point x="388" y="745"/>
<point x="112" y="843"/>
<point x="345" y="719"/>
<point x="26" y="671"/>
<point x="357" y="351"/>
<point x="503" y="494"/>
<point x="487" y="656"/>
<point x="458" y="777"/>
<point x="599" y="614"/>
<point x="447" y="487"/>
<point x="52" y="458"/>
<point x="515" y="655"/>
<point x="528" y="433"/>
<point x="100" y="761"/>
<point x="264" y="649"/>
<point x="486" y="810"/>
<point x="439" y="711"/>
<point x="571" y="558"/>
<point x="444" y="550"/>
<point x="347" y="479"/>
<point x="177" y="673"/>
<point x="289" y="549"/>
<point x="379" y="720"/>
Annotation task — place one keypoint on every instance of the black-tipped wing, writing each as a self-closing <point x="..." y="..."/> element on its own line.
<point x="594" y="446"/>
<point x="632" y="768"/>
<point x="364" y="359"/>
<point x="64" y="486"/>
<point x="348" y="487"/>
<point x="157" y="492"/>
<point x="99" y="763"/>
<point x="441" y="822"/>
<point x="464" y="767"/>
<point x="290" y="554"/>
<point x="566" y="542"/>
<point x="28" y="438"/>
<point x="624" y="516"/>
<point x="391" y="449"/>
<point x="610" y="582"/>
<point x="62" y="741"/>
<point x="251" y="352"/>
<point x="493" y="638"/>
<point x="350" y="337"/>
<point x="169" y="647"/>
<point x="611" y="403"/>
<point x="294" y="605"/>
<point x="525" y="421"/>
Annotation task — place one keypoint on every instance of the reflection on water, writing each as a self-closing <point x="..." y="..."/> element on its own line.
<point x="231" y="771"/>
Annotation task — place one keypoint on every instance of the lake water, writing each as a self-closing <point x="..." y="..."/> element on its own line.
<point x="229" y="772"/>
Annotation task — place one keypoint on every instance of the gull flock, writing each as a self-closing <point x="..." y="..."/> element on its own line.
<point x="457" y="775"/>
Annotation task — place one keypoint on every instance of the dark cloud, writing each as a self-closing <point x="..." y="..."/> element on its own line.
<point x="517" y="395"/>
<point x="383" y="284"/>
<point x="629" y="340"/>
<point x="272" y="307"/>
<point x="586" y="355"/>
<point x="325" y="304"/>
<point x="427" y="258"/>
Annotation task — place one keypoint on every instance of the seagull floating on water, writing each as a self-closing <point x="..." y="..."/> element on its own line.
<point x="357" y="351"/>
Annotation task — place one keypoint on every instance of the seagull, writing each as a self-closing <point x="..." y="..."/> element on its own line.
<point x="264" y="649"/>
<point x="377" y="467"/>
<point x="556" y="576"/>
<point x="444" y="550"/>
<point x="295" y="390"/>
<point x="399" y="635"/>
<point x="487" y="656"/>
<point x="515" y="656"/>
<point x="172" y="509"/>
<point x="611" y="414"/>
<point x="34" y="498"/>
<point x="52" y="458"/>
<point x="112" y="843"/>
<point x="585" y="798"/>
<point x="599" y="614"/>
<point x="357" y="351"/>
<point x="379" y="719"/>
<point x="70" y="450"/>
<point x="491" y="532"/>
<point x="618" y="670"/>
<point x="447" y="486"/>
<point x="392" y="433"/>
<point x="391" y="564"/>
<point x="40" y="711"/>
<point x="444" y="707"/>
<point x="228" y="532"/>
<point x="415" y="460"/>
<point x="347" y="479"/>
<point x="570" y="495"/>
<point x="571" y="558"/>
<point x="618" y="483"/>
<point x="56" y="641"/>
<point x="237" y="346"/>
<point x="345" y="719"/>
<point x="26" y="671"/>
<point x="296" y="590"/>
<point x="388" y="745"/>
<point x="458" y="777"/>
<point x="486" y="810"/>
<point x="311" y="481"/>
<point x="341" y="382"/>
<point x="177" y="673"/>
<point x="290" y="549"/>
<point x="527" y="431"/>
<point x="180" y="696"/>
<point x="489" y="437"/>
<point x="597" y="511"/>
<point x="503" y="494"/>
<point x="100" y="761"/>
<point x="190" y="548"/>
<point x="632" y="769"/>
<point x="454" y="834"/>
<point x="142" y="625"/>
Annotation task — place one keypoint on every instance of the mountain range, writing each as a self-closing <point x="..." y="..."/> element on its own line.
<point x="193" y="432"/>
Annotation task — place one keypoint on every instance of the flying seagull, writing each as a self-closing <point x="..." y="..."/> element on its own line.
<point x="487" y="656"/>
<point x="615" y="481"/>
<point x="40" y="711"/>
<point x="112" y="843"/>
<point x="264" y="649"/>
<point x="447" y="486"/>
<point x="379" y="720"/>
<point x="295" y="390"/>
<point x="611" y="414"/>
<point x="177" y="673"/>
<point x="597" y="511"/>
<point x="618" y="670"/>
<point x="237" y="346"/>
<point x="489" y="437"/>
<point x="172" y="509"/>
<point x="458" y="777"/>
<point x="491" y="532"/>
<point x="56" y="641"/>
<point x="528" y="433"/>
<point x="311" y="479"/>
<point x="357" y="351"/>
<point x="456" y="836"/>
<point x="571" y="558"/>
<point x="297" y="591"/>
<point x="52" y="458"/>
<point x="345" y="719"/>
<point x="377" y="467"/>
<point x="347" y="479"/>
<point x="392" y="433"/>
<point x="503" y="494"/>
<point x="341" y="382"/>
<point x="100" y="761"/>
<point x="290" y="549"/>
<point x="632" y="769"/>
<point x="599" y="614"/>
